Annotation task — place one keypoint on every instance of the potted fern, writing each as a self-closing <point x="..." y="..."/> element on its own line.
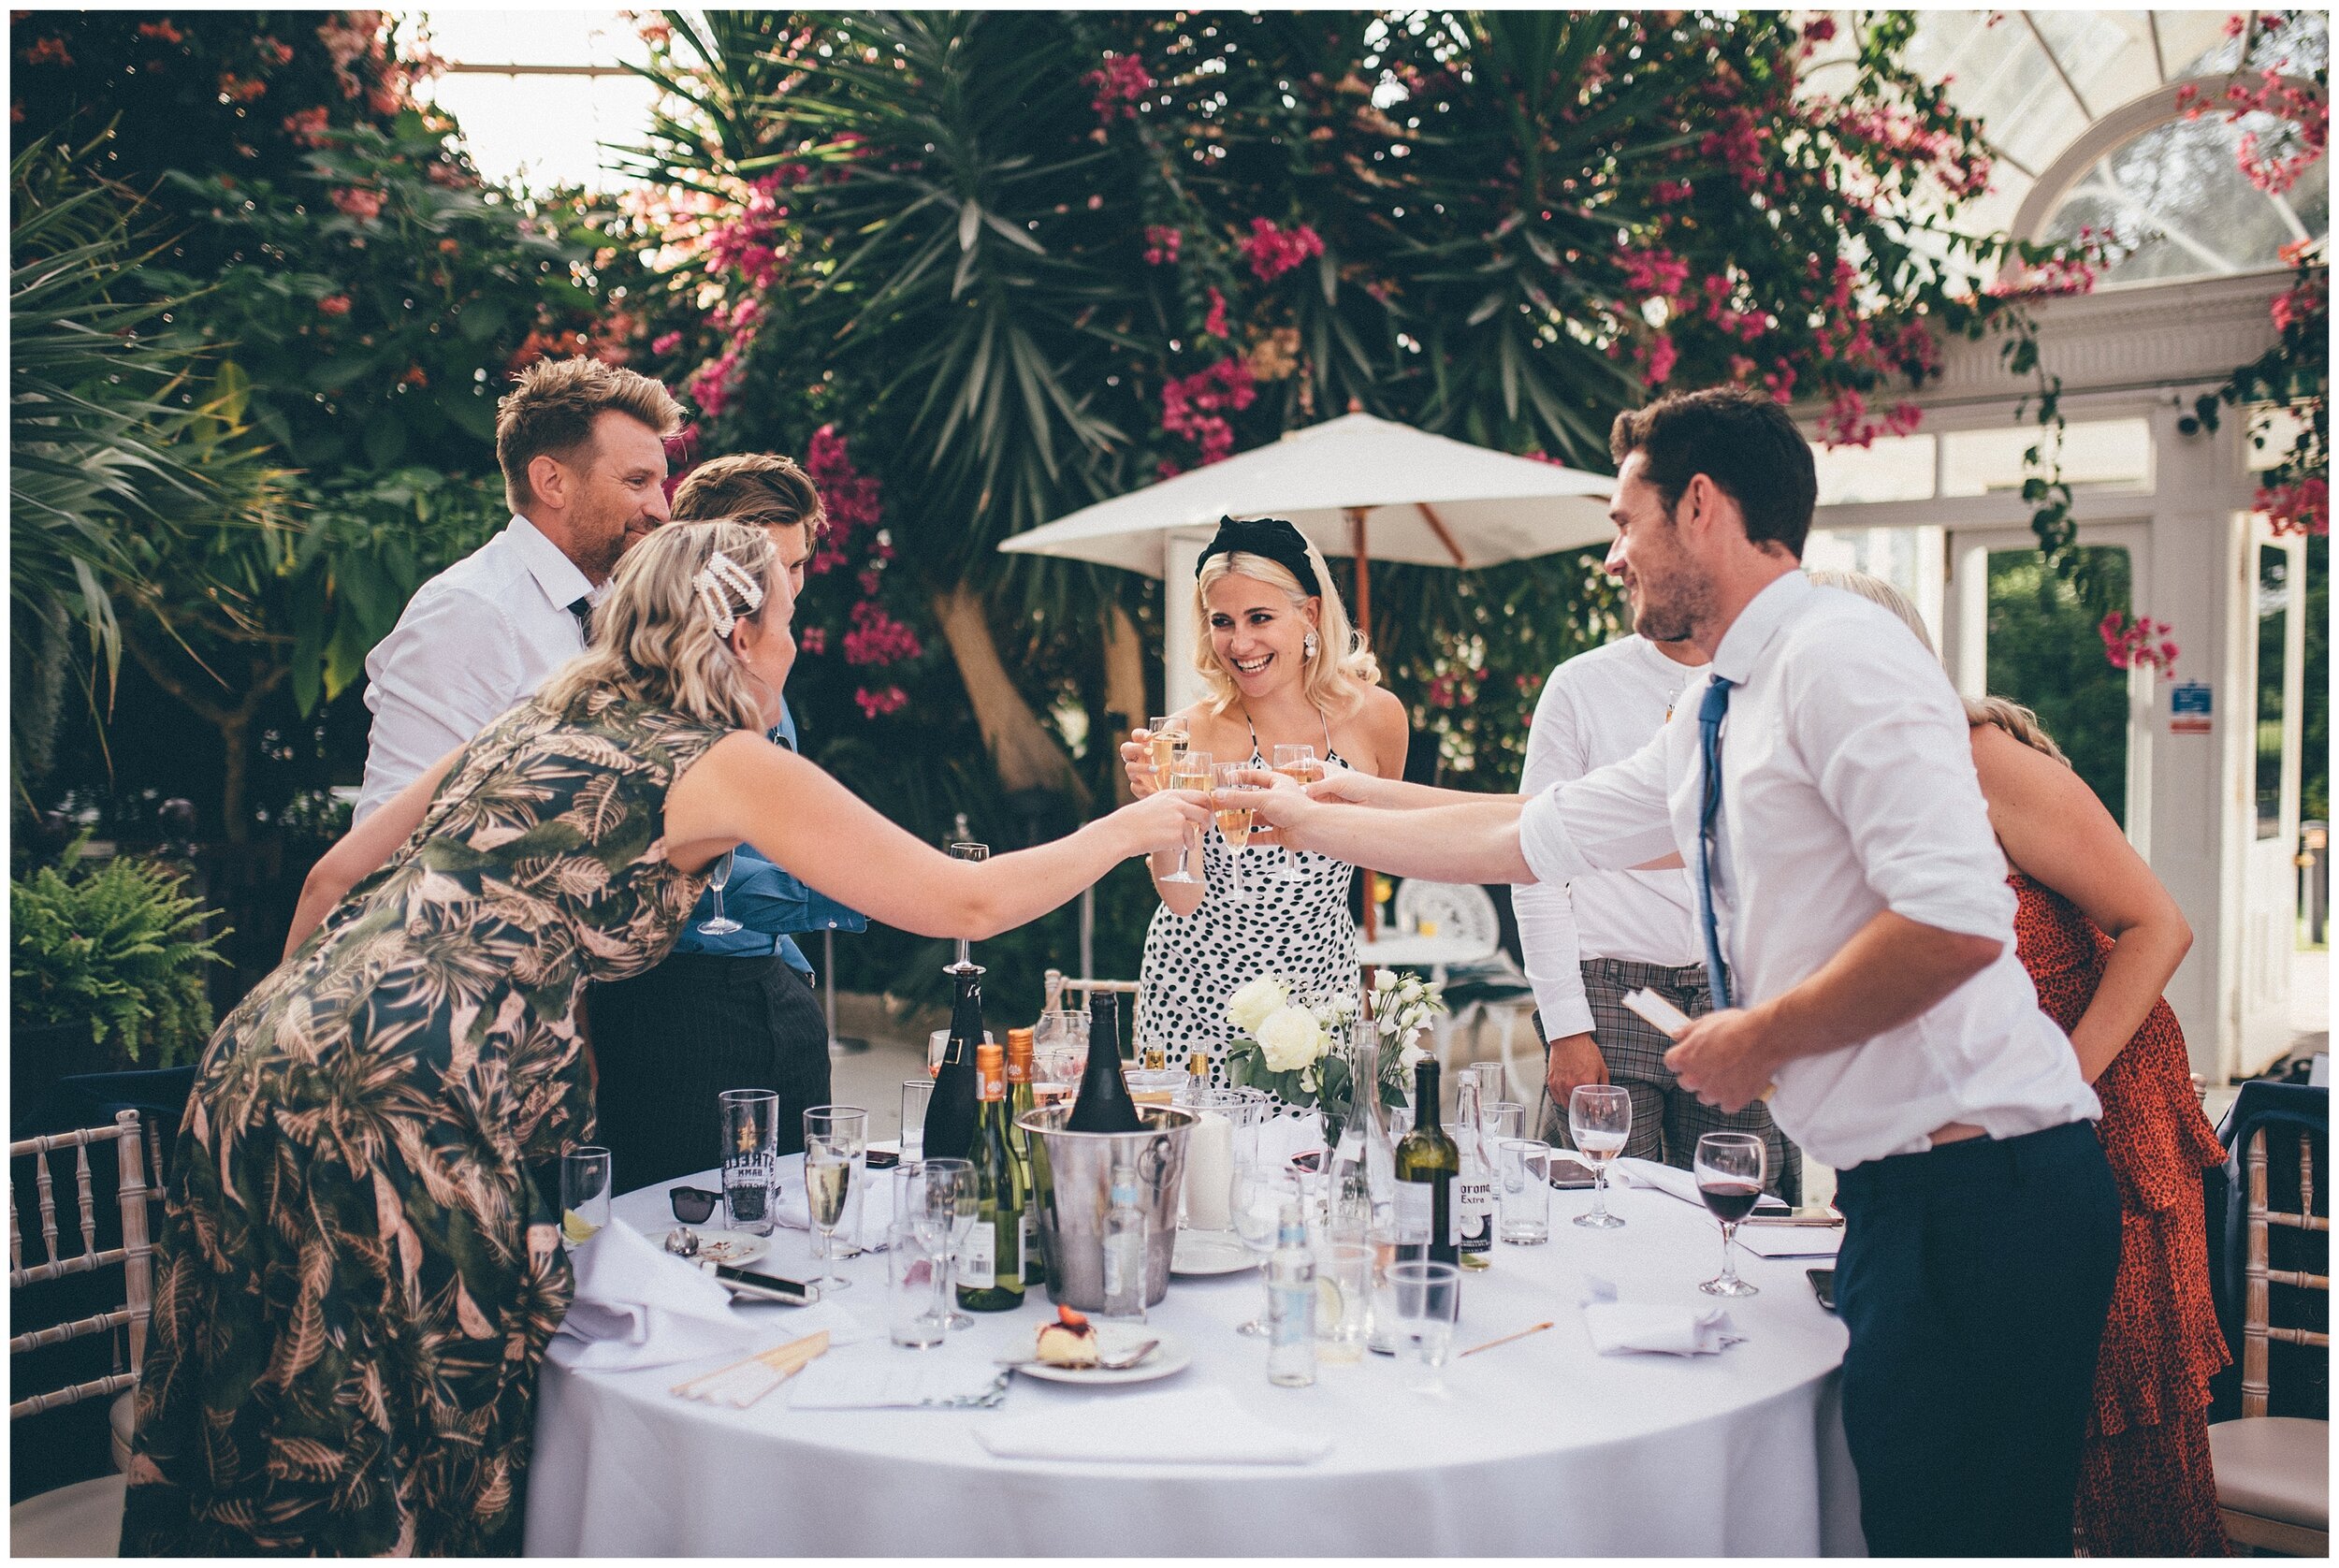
<point x="106" y="971"/>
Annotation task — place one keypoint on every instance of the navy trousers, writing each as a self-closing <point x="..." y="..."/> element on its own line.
<point x="1975" y="1278"/>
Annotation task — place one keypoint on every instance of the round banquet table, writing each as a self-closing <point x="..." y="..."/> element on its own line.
<point x="1542" y="1447"/>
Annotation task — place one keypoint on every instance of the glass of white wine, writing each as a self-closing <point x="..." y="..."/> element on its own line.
<point x="1301" y="764"/>
<point x="1191" y="773"/>
<point x="1600" y="1120"/>
<point x="1234" y="826"/>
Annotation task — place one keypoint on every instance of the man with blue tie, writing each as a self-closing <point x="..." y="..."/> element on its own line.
<point x="1858" y="937"/>
<point x="736" y="1010"/>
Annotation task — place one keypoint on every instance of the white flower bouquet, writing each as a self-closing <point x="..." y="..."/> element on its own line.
<point x="1297" y="1050"/>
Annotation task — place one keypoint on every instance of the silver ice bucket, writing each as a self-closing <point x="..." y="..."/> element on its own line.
<point x="1076" y="1192"/>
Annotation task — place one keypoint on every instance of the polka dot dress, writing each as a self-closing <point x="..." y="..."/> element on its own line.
<point x="1298" y="932"/>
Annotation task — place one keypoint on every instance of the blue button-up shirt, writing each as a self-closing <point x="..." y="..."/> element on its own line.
<point x="768" y="903"/>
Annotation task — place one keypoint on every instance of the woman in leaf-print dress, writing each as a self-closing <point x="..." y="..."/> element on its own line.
<point x="356" y="1278"/>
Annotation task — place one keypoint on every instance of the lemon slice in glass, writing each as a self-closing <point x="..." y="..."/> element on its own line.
<point x="1327" y="1302"/>
<point x="576" y="1228"/>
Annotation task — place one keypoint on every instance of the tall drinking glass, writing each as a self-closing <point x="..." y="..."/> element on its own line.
<point x="1729" y="1170"/>
<point x="1166" y="737"/>
<point x="1523" y="1190"/>
<point x="1234" y="826"/>
<point x="835" y="1142"/>
<point x="951" y="1207"/>
<point x="1501" y="1120"/>
<point x="916" y="1093"/>
<point x="750" y="1158"/>
<point x="1300" y="763"/>
<point x="1427" y="1297"/>
<point x="718" y="878"/>
<point x="1255" y="1195"/>
<point x="1600" y="1120"/>
<point x="1192" y="772"/>
<point x="584" y="1183"/>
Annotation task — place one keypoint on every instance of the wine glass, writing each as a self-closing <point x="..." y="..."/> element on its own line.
<point x="1600" y="1120"/>
<point x="950" y="1202"/>
<point x="1192" y="772"/>
<point x="827" y="1181"/>
<point x="1254" y="1206"/>
<point x="1234" y="826"/>
<point x="1729" y="1167"/>
<point x="1300" y="763"/>
<point x="718" y="876"/>
<point x="1428" y="1297"/>
<point x="1166" y="737"/>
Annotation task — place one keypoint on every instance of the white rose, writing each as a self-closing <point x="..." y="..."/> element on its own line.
<point x="1413" y="1055"/>
<point x="1250" y="1006"/>
<point x="1289" y="1039"/>
<point x="1384" y="979"/>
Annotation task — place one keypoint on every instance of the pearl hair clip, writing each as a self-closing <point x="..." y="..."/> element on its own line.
<point x="720" y="573"/>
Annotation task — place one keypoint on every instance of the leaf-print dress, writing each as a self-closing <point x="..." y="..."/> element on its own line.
<point x="355" y="1277"/>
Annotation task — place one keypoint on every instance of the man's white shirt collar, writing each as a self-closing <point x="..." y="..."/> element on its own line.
<point x="554" y="572"/>
<point x="1760" y="621"/>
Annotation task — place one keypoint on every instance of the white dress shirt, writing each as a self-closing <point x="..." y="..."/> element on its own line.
<point x="1847" y="788"/>
<point x="1601" y="708"/>
<point x="475" y="642"/>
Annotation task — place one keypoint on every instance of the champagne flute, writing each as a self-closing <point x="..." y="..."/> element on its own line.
<point x="1600" y="1120"/>
<point x="718" y="877"/>
<point x="1298" y="764"/>
<point x="1167" y="736"/>
<point x="950" y="1206"/>
<point x="827" y="1181"/>
<point x="1729" y="1167"/>
<point x="1192" y="772"/>
<point x="1234" y="826"/>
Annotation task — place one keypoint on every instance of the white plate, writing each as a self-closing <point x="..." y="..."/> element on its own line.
<point x="1208" y="1251"/>
<point x="1168" y="1357"/>
<point x="732" y="1248"/>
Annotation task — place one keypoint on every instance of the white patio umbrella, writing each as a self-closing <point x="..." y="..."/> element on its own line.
<point x="1353" y="485"/>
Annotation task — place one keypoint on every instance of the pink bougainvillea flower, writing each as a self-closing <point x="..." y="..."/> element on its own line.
<point x="334" y="304"/>
<point x="1273" y="252"/>
<point x="359" y="202"/>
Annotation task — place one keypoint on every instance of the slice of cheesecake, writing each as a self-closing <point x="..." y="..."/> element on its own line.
<point x="1068" y="1341"/>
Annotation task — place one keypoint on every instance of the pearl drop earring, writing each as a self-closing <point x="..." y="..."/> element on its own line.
<point x="1310" y="645"/>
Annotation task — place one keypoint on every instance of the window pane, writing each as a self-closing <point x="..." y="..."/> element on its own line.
<point x="2045" y="654"/>
<point x="1891" y="467"/>
<point x="2273" y="618"/>
<point x="2101" y="452"/>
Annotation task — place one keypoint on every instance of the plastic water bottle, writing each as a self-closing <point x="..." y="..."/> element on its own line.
<point x="1291" y="1304"/>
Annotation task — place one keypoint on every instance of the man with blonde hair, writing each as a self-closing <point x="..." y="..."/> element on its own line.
<point x="582" y="446"/>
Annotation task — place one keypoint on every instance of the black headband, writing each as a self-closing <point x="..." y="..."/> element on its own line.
<point x="1271" y="537"/>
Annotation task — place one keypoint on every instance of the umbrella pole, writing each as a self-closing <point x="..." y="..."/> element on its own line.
<point x="1364" y="624"/>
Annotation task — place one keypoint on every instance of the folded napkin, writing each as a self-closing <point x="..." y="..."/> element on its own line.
<point x="639" y="1306"/>
<point x="1791" y="1241"/>
<point x="1629" y="1171"/>
<point x="868" y="1211"/>
<point x="883" y="1378"/>
<point x="1619" y="1328"/>
<point x="1192" y="1426"/>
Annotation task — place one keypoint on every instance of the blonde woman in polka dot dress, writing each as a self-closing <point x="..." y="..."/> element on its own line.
<point x="1283" y="666"/>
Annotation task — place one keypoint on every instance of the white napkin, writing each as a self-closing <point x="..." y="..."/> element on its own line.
<point x="1192" y="1426"/>
<point x="1618" y="1327"/>
<point x="1628" y="1170"/>
<point x="1209" y="1170"/>
<point x="638" y="1306"/>
<point x="868" y="1211"/>
<point x="880" y="1378"/>
<point x="1791" y="1241"/>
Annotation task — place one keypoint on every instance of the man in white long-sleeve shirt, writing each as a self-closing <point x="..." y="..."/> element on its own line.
<point x="1859" y="933"/>
<point x="1589" y="942"/>
<point x="583" y="451"/>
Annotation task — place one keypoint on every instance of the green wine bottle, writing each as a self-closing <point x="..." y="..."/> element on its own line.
<point x="1428" y="1163"/>
<point x="1031" y="1155"/>
<point x="990" y="1266"/>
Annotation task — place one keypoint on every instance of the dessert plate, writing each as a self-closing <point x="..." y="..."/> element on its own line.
<point x="1208" y="1251"/>
<point x="1170" y="1356"/>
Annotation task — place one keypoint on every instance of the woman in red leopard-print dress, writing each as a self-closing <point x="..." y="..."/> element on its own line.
<point x="2100" y="937"/>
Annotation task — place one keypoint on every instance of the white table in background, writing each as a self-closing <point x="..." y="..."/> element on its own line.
<point x="1543" y="1448"/>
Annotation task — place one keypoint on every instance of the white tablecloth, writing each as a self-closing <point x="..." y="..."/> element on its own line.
<point x="1542" y="1448"/>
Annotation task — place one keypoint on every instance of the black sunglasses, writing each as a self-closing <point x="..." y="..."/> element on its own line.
<point x="692" y="1205"/>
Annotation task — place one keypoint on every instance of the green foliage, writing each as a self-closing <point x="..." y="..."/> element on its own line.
<point x="119" y="946"/>
<point x="2044" y="653"/>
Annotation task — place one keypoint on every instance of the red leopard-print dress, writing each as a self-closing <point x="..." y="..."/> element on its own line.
<point x="2146" y="1488"/>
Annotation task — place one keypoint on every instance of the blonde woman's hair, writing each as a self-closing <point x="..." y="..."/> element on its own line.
<point x="1343" y="667"/>
<point x="654" y="640"/>
<point x="2011" y="717"/>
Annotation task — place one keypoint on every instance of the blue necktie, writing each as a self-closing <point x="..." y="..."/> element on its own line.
<point x="1710" y="714"/>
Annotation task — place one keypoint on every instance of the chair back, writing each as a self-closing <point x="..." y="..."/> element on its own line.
<point x="1060" y="985"/>
<point x="2277" y="1193"/>
<point x="134" y="1254"/>
<point x="1462" y="910"/>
